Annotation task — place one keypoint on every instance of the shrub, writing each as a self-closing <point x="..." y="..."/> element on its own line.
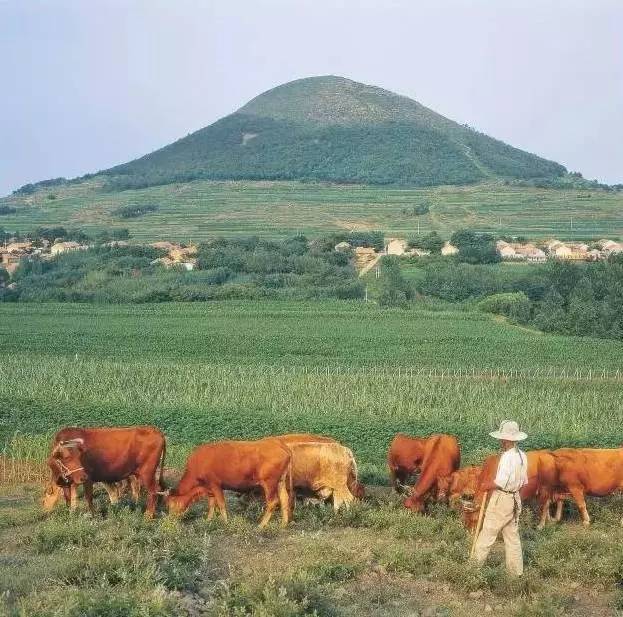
<point x="515" y="305"/>
<point x="135" y="210"/>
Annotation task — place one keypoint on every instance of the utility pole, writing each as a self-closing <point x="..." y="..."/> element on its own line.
<point x="366" y="293"/>
<point x="418" y="228"/>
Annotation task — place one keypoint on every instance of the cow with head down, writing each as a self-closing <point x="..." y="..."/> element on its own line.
<point x="323" y="467"/>
<point x="240" y="466"/>
<point x="460" y="484"/>
<point x="325" y="470"/>
<point x="109" y="455"/>
<point x="435" y="458"/>
<point x="542" y="482"/>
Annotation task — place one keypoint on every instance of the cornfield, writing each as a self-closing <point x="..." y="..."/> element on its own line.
<point x="169" y="367"/>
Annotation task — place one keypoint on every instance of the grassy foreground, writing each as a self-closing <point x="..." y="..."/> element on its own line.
<point x="206" y="371"/>
<point x="203" y="209"/>
<point x="376" y="559"/>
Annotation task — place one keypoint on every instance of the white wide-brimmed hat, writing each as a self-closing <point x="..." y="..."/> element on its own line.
<point x="509" y="431"/>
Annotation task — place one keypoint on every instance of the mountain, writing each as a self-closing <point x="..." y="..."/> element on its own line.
<point x="331" y="128"/>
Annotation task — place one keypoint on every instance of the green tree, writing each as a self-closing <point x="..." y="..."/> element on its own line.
<point x="475" y="248"/>
<point x="4" y="277"/>
<point x="432" y="242"/>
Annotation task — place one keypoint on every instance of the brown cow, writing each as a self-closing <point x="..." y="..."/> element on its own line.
<point x="588" y="471"/>
<point x="436" y="457"/>
<point x="325" y="469"/>
<point x="236" y="466"/>
<point x="354" y="486"/>
<point x="542" y="480"/>
<point x="109" y="455"/>
<point x="462" y="483"/>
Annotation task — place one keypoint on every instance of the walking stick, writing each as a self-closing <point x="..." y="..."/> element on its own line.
<point x="481" y="516"/>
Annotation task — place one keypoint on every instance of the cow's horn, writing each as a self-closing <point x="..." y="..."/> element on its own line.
<point x="72" y="443"/>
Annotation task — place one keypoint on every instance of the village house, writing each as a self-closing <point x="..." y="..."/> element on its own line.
<point x="506" y="250"/>
<point x="569" y="253"/>
<point x="610" y="247"/>
<point x="10" y="261"/>
<point x="552" y="245"/>
<point x="63" y="247"/>
<point x="19" y="247"/>
<point x="449" y="249"/>
<point x="535" y="255"/>
<point x="342" y="247"/>
<point x="396" y="247"/>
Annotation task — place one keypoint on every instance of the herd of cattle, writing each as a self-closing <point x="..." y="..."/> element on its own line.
<point x="281" y="467"/>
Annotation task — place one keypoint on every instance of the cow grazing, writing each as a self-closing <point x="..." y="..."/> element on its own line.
<point x="462" y="483"/>
<point x="237" y="466"/>
<point x="588" y="471"/>
<point x="325" y="469"/>
<point x="108" y="455"/>
<point x="542" y="480"/>
<point x="354" y="486"/>
<point x="435" y="457"/>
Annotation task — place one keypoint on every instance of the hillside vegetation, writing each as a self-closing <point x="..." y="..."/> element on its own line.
<point x="200" y="210"/>
<point x="332" y="128"/>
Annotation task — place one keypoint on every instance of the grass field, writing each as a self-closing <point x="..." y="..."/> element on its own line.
<point x="202" y="209"/>
<point x="206" y="371"/>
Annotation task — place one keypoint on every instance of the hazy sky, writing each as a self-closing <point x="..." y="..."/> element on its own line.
<point x="86" y="84"/>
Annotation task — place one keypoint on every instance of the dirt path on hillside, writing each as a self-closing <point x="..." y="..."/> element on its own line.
<point x="369" y="266"/>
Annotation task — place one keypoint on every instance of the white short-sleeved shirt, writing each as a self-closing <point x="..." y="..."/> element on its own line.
<point x="512" y="471"/>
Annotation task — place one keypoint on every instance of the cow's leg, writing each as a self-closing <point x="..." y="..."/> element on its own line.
<point x="578" y="496"/>
<point x="113" y="492"/>
<point x="71" y="496"/>
<point x="88" y="494"/>
<point x="211" y="506"/>
<point x="559" y="506"/>
<point x="217" y="492"/>
<point x="272" y="501"/>
<point x="544" y="505"/>
<point x="342" y="497"/>
<point x="284" y="500"/>
<point x="146" y="476"/>
<point x="135" y="488"/>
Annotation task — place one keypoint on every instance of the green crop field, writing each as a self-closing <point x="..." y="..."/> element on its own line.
<point x="206" y="371"/>
<point x="235" y="369"/>
<point x="203" y="209"/>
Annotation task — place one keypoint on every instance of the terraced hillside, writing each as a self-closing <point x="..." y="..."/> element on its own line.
<point x="202" y="209"/>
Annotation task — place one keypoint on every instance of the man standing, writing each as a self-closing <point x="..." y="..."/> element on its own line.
<point x="502" y="514"/>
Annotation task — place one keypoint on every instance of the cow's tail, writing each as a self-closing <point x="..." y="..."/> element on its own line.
<point x="290" y="485"/>
<point x="353" y="476"/>
<point x="162" y="455"/>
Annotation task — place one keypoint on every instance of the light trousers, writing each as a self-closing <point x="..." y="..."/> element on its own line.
<point x="502" y="515"/>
